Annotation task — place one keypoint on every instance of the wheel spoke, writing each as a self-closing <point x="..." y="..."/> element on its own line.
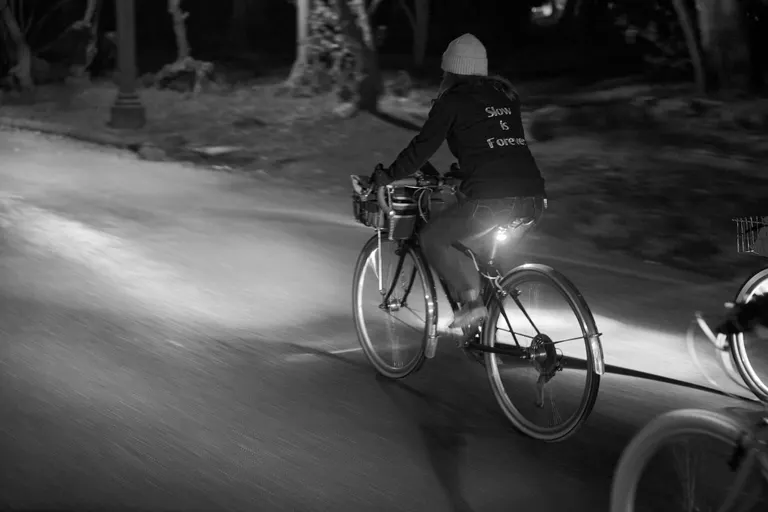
<point x="503" y="312"/>
<point x="414" y="314"/>
<point x="528" y="336"/>
<point x="393" y="317"/>
<point x="683" y="464"/>
<point x="556" y="418"/>
<point x="525" y="313"/>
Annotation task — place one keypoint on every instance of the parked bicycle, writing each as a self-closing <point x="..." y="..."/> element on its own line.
<point x="396" y="212"/>
<point x="667" y="447"/>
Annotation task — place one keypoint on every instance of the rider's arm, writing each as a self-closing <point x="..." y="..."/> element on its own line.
<point x="428" y="141"/>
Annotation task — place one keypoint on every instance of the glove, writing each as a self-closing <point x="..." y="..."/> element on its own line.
<point x="730" y="326"/>
<point x="744" y="317"/>
<point x="380" y="177"/>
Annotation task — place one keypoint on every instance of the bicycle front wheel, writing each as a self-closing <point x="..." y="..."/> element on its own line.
<point x="547" y="377"/>
<point x="682" y="462"/>
<point x="747" y="348"/>
<point x="393" y="298"/>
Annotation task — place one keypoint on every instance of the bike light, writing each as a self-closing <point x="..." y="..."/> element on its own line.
<point x="501" y="235"/>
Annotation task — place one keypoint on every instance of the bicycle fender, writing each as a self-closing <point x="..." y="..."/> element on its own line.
<point x="597" y="353"/>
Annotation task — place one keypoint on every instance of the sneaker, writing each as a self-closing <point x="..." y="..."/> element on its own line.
<point x="470" y="315"/>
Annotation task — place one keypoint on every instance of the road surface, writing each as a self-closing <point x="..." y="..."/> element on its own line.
<point x="180" y="339"/>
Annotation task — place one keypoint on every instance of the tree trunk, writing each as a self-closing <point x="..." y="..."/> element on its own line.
<point x="373" y="7"/>
<point x="22" y="71"/>
<point x="421" y="34"/>
<point x="93" y="13"/>
<point x="418" y="18"/>
<point x="179" y="29"/>
<point x="185" y="73"/>
<point x="724" y="43"/>
<point x="360" y="19"/>
<point x="301" y="62"/>
<point x="88" y="28"/>
<point x="353" y="18"/>
<point x="692" y="42"/>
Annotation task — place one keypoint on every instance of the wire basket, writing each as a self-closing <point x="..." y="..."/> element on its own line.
<point x="399" y="226"/>
<point x="752" y="235"/>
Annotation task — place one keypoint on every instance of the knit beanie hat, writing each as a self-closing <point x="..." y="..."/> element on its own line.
<point x="465" y="56"/>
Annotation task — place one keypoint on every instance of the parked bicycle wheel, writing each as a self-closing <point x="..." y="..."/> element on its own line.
<point x="748" y="349"/>
<point x="549" y="389"/>
<point x="681" y="462"/>
<point x="394" y="303"/>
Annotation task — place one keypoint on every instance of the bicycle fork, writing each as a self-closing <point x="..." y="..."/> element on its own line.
<point x="378" y="262"/>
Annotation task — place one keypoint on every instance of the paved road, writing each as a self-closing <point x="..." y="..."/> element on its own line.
<point x="178" y="339"/>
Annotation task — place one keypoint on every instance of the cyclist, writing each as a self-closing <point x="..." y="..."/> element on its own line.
<point x="480" y="118"/>
<point x="747" y="317"/>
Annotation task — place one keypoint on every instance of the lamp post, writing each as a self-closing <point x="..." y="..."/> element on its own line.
<point x="127" y="112"/>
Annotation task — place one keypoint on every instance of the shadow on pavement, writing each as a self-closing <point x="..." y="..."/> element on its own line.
<point x="443" y="432"/>
<point x="449" y="403"/>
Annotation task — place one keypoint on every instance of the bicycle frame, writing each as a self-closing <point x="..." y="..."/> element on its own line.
<point x="490" y="291"/>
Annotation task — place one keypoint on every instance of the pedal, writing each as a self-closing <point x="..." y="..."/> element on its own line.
<point x="474" y="356"/>
<point x="471" y="337"/>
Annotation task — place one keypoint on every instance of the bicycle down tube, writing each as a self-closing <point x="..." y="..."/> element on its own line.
<point x="488" y="292"/>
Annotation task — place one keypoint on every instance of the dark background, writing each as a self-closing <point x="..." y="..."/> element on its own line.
<point x="516" y="47"/>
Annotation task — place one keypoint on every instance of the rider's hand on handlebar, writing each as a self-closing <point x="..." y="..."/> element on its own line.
<point x="454" y="172"/>
<point x="745" y="317"/>
<point x="380" y="177"/>
<point x="731" y="324"/>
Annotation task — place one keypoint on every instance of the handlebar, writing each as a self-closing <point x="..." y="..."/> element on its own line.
<point x="413" y="181"/>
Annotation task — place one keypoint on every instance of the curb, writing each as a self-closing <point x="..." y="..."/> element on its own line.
<point x="127" y="142"/>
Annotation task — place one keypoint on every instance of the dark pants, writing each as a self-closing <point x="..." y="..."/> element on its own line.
<point x="462" y="222"/>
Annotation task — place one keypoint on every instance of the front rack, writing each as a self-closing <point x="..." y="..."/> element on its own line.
<point x="751" y="235"/>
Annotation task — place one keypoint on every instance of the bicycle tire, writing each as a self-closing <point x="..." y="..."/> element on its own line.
<point x="589" y="329"/>
<point x="430" y="293"/>
<point x="738" y="351"/>
<point x="656" y="434"/>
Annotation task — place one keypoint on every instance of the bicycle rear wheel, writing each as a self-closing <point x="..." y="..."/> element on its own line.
<point x="558" y="354"/>
<point x="394" y="320"/>
<point x="704" y="443"/>
<point x="754" y="378"/>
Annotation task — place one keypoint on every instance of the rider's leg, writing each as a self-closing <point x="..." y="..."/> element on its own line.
<point x="456" y="223"/>
<point x="461" y="222"/>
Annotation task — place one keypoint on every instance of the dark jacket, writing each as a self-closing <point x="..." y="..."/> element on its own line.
<point x="481" y="121"/>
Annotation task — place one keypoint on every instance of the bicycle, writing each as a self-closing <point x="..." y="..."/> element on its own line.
<point x="396" y="212"/>
<point x="746" y="451"/>
<point x="748" y="241"/>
